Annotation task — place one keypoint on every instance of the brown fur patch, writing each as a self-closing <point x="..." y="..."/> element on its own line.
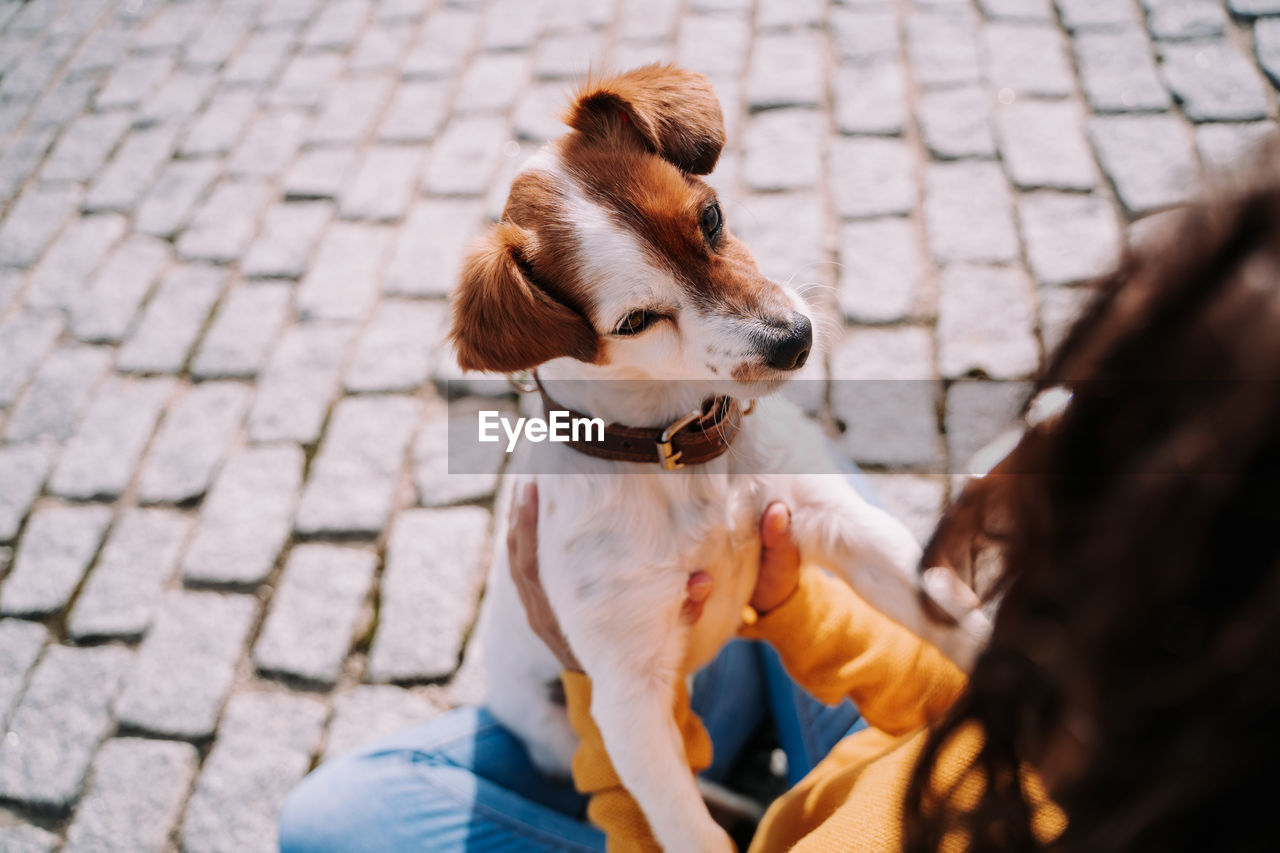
<point x="674" y="113"/>
<point x="504" y="322"/>
<point x="537" y="204"/>
<point x="662" y="207"/>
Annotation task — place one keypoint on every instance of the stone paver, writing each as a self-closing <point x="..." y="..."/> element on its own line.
<point x="872" y="177"/>
<point x="968" y="213"/>
<point x="351" y="490"/>
<point x="343" y="281"/>
<point x="246" y="517"/>
<point x="986" y="318"/>
<point x="1186" y="19"/>
<point x="871" y="98"/>
<point x="1044" y="146"/>
<point x="58" y="394"/>
<point x="432" y="567"/>
<point x="786" y="71"/>
<point x="783" y="150"/>
<point x="23" y="470"/>
<point x="172" y="320"/>
<point x="84" y="147"/>
<point x="469" y="474"/>
<point x="885" y="396"/>
<point x="221" y="124"/>
<point x="1266" y="35"/>
<point x="105" y="312"/>
<point x="137" y="794"/>
<point x="24" y="838"/>
<point x="222" y="229"/>
<point x="183" y="670"/>
<point x="399" y="346"/>
<point x="264" y="747"/>
<point x="370" y="711"/>
<point x="299" y="380"/>
<point x="133" y="168"/>
<point x="103" y="454"/>
<point x="416" y="113"/>
<point x="382" y="187"/>
<point x="20" y="645"/>
<point x="229" y="232"/>
<point x="1088" y="14"/>
<point x="465" y="156"/>
<point x="172" y="201"/>
<point x="319" y="173"/>
<point x="977" y="414"/>
<point x="239" y="339"/>
<point x="1027" y="60"/>
<point x="56" y="548"/>
<point x="1148" y="158"/>
<point x="942" y="46"/>
<point x="311" y="625"/>
<point x="33" y="221"/>
<point x="955" y="123"/>
<point x="1224" y="147"/>
<point x="289" y="234"/>
<point x="60" y="276"/>
<point x="138" y="559"/>
<point x="25" y="338"/>
<point x="429" y="250"/>
<point x="1068" y="238"/>
<point x="1118" y="72"/>
<point x="192" y="441"/>
<point x="881" y="267"/>
<point x="56" y="728"/>
<point x="1214" y="81"/>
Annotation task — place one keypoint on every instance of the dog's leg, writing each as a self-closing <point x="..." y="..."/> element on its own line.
<point x="878" y="556"/>
<point x="633" y="710"/>
<point x="521" y="674"/>
<point x="625" y="629"/>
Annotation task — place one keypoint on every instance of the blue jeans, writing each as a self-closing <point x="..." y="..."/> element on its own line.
<point x="461" y="782"/>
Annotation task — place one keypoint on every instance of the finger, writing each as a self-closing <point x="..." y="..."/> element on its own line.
<point x="699" y="586"/>
<point x="523" y="532"/>
<point x="778" y="551"/>
<point x="775" y="527"/>
<point x="954" y="596"/>
<point x="697" y="591"/>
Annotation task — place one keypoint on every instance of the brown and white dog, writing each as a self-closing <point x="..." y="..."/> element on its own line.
<point x="612" y="261"/>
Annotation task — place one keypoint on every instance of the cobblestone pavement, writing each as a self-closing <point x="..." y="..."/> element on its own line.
<point x="228" y="546"/>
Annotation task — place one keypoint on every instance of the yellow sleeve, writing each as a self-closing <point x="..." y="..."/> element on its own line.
<point x="835" y="645"/>
<point x="611" y="807"/>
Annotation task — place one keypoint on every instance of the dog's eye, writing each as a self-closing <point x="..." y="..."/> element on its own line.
<point x="636" y="322"/>
<point x="712" y="222"/>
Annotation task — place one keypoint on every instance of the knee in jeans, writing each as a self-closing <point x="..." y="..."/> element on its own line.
<point x="314" y="809"/>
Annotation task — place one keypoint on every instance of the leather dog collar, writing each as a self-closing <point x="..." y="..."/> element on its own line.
<point x="698" y="437"/>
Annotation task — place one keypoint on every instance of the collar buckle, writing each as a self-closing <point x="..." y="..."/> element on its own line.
<point x="668" y="457"/>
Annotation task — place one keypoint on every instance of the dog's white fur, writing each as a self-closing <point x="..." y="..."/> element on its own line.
<point x="617" y="541"/>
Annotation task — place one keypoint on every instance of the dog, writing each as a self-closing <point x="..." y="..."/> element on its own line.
<point x="613" y="261"/>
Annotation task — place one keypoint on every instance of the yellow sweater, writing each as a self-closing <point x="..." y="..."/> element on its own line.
<point x="834" y="645"/>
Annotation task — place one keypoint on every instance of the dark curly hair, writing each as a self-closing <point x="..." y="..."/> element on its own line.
<point x="1138" y="535"/>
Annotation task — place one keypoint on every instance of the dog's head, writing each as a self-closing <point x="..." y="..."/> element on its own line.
<point x="612" y="251"/>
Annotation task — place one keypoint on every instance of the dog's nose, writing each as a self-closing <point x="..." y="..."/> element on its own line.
<point x="791" y="351"/>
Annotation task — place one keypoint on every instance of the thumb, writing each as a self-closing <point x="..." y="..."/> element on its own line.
<point x="775" y="527"/>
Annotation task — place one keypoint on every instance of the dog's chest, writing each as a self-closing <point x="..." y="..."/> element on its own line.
<point x="697" y="522"/>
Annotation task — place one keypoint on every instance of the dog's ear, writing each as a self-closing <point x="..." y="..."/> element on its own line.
<point x="674" y="112"/>
<point x="504" y="322"/>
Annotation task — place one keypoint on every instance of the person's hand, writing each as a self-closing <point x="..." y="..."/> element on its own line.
<point x="779" y="560"/>
<point x="522" y="554"/>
